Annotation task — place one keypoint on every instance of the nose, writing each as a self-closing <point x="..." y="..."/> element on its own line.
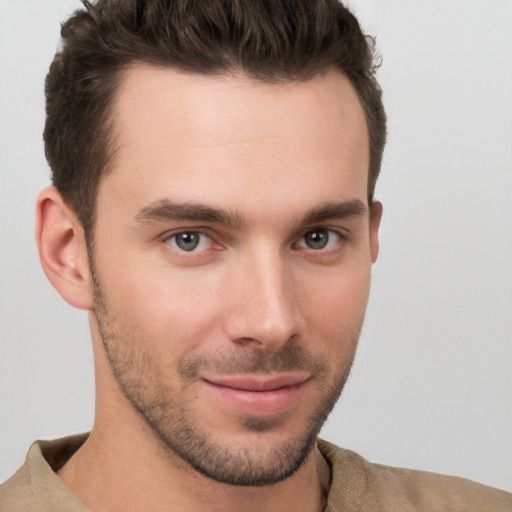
<point x="263" y="307"/>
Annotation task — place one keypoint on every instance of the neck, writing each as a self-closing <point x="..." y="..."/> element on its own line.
<point x="118" y="471"/>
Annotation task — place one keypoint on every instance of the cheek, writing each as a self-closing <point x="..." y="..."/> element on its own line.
<point x="335" y="306"/>
<point x="165" y="308"/>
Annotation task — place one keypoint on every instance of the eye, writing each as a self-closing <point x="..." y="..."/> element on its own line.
<point x="320" y="238"/>
<point x="189" y="241"/>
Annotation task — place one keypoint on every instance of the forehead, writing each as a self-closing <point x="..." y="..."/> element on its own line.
<point x="231" y="138"/>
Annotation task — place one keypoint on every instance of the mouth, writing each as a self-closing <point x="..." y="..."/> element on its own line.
<point x="258" y="395"/>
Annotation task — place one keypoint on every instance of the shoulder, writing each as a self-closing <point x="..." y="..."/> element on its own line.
<point x="16" y="493"/>
<point x="379" y="487"/>
<point x="434" y="492"/>
<point x="35" y="487"/>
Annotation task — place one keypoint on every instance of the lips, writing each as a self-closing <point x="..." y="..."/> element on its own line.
<point x="258" y="395"/>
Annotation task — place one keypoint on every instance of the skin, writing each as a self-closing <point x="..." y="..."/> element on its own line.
<point x="175" y="331"/>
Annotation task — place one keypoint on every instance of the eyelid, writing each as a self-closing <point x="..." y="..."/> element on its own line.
<point x="190" y="229"/>
<point x="342" y="232"/>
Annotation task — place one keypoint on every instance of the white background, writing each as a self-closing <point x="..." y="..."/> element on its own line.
<point x="432" y="384"/>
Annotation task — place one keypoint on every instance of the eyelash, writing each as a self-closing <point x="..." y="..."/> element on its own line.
<point x="340" y="235"/>
<point x="173" y="236"/>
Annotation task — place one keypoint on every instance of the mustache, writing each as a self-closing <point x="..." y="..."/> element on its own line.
<point x="290" y="357"/>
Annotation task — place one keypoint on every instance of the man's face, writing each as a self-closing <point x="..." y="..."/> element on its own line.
<point x="232" y="254"/>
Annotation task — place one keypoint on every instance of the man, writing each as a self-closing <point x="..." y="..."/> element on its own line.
<point x="214" y="167"/>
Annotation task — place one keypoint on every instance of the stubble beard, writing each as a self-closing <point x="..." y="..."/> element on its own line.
<point x="138" y="377"/>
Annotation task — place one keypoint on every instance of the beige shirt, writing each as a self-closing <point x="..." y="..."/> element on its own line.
<point x="357" y="485"/>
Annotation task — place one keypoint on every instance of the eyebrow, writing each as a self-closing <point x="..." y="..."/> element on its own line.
<point x="167" y="210"/>
<point x="164" y="210"/>
<point x="333" y="210"/>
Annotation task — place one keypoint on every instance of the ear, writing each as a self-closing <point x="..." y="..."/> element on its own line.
<point x="375" y="218"/>
<point x="62" y="250"/>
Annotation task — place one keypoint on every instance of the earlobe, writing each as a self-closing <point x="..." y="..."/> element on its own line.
<point x="375" y="218"/>
<point x="62" y="249"/>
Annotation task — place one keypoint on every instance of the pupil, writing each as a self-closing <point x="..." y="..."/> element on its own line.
<point x="187" y="241"/>
<point x="317" y="239"/>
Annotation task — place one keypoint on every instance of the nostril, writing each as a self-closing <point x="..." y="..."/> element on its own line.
<point x="248" y="342"/>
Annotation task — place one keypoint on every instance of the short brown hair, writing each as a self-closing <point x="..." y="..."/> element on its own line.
<point x="269" y="40"/>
